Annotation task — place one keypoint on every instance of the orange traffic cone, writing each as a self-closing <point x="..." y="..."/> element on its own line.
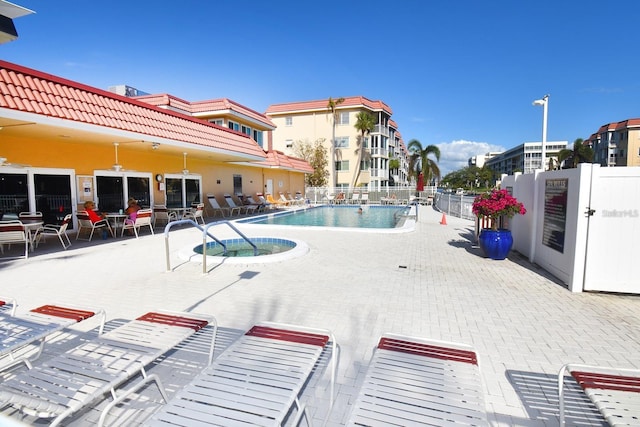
<point x="443" y="221"/>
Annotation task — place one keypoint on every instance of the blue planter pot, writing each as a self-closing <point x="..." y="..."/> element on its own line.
<point x="495" y="244"/>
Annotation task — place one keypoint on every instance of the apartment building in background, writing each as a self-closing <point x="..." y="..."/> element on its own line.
<point x="525" y="158"/>
<point x="313" y="120"/>
<point x="617" y="143"/>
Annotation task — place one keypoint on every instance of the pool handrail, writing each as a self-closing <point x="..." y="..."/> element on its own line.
<point x="205" y="233"/>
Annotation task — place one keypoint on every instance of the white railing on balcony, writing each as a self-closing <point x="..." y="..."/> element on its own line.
<point x="383" y="152"/>
<point x="384" y="130"/>
<point x="379" y="173"/>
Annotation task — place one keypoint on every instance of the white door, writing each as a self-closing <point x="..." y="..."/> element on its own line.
<point x="614" y="229"/>
<point x="269" y="186"/>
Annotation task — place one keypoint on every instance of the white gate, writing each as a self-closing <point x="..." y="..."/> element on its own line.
<point x="613" y="231"/>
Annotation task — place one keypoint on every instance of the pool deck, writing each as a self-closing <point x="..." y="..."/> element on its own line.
<point x="432" y="283"/>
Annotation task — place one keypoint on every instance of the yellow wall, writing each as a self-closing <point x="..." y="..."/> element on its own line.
<point x="86" y="158"/>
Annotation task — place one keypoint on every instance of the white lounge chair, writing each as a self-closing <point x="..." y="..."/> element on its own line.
<point x="615" y="392"/>
<point x="27" y="332"/>
<point x="232" y="205"/>
<point x="222" y="210"/>
<point x="8" y="305"/>
<point x="413" y="381"/>
<point x="256" y="381"/>
<point x="355" y="198"/>
<point x="86" y="374"/>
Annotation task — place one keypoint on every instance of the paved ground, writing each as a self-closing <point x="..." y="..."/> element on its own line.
<point x="432" y="282"/>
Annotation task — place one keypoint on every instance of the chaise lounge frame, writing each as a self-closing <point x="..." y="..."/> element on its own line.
<point x="256" y="381"/>
<point x="415" y="381"/>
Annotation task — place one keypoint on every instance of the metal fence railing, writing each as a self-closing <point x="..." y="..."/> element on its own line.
<point x="455" y="205"/>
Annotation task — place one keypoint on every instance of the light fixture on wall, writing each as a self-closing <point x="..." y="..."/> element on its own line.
<point x="155" y="146"/>
<point x="185" y="171"/>
<point x="116" y="166"/>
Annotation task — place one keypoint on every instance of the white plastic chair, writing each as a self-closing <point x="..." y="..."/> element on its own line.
<point x="161" y="213"/>
<point x="196" y="214"/>
<point x="84" y="223"/>
<point x="58" y="230"/>
<point x="14" y="231"/>
<point x="143" y="219"/>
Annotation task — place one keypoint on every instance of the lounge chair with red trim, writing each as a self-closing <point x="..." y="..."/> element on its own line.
<point x="8" y="305"/>
<point x="24" y="333"/>
<point x="257" y="380"/>
<point x="85" y="375"/>
<point x="415" y="381"/>
<point x="614" y="391"/>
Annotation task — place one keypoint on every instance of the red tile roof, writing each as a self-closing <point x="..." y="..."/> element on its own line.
<point x="277" y="159"/>
<point x="31" y="91"/>
<point x="350" y="102"/>
<point x="210" y="106"/>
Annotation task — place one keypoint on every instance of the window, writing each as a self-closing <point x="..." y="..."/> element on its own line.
<point x="182" y="191"/>
<point x="246" y="130"/>
<point x="342" y="142"/>
<point x="237" y="184"/>
<point x="257" y="136"/>
<point x="13" y="193"/>
<point x="53" y="196"/>
<point x="233" y="125"/>
<point x="288" y="121"/>
<point x="343" y="119"/>
<point x="365" y="165"/>
<point x="114" y="190"/>
<point x="342" y="165"/>
<point x="218" y="122"/>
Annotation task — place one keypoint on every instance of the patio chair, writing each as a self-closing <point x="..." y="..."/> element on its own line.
<point x="284" y="200"/>
<point x="222" y="210"/>
<point x="196" y="213"/>
<point x="84" y="223"/>
<point x="14" y="231"/>
<point x="364" y="198"/>
<point x="24" y="331"/>
<point x="614" y="391"/>
<point x="86" y="374"/>
<point x="414" y="381"/>
<point x="30" y="215"/>
<point x="260" y="206"/>
<point x="143" y="219"/>
<point x="355" y="199"/>
<point x="59" y="231"/>
<point x="162" y="214"/>
<point x="233" y="205"/>
<point x="274" y="202"/>
<point x="340" y="199"/>
<point x="265" y="202"/>
<point x="294" y="202"/>
<point x="257" y="380"/>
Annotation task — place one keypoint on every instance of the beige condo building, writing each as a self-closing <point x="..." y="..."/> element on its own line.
<point x="312" y="120"/>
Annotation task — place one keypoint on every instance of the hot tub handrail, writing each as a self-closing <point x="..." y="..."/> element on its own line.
<point x="195" y="224"/>
<point x="205" y="233"/>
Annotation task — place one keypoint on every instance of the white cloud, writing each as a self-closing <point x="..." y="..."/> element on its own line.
<point x="455" y="155"/>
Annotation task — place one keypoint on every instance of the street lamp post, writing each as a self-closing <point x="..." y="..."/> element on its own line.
<point x="545" y="103"/>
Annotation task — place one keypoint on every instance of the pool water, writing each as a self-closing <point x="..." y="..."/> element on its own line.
<point x="240" y="248"/>
<point x="337" y="216"/>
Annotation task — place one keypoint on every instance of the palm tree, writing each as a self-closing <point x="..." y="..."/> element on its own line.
<point x="581" y="153"/>
<point x="331" y="106"/>
<point x="419" y="161"/>
<point x="365" y="123"/>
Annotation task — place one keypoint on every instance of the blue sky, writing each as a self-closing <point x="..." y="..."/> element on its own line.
<point x="461" y="75"/>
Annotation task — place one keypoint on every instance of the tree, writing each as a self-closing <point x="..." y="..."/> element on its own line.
<point x="316" y="155"/>
<point x="581" y="153"/>
<point x="365" y="124"/>
<point x="332" y="104"/>
<point x="419" y="160"/>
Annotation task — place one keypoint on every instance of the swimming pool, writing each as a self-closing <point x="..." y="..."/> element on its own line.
<point x="373" y="218"/>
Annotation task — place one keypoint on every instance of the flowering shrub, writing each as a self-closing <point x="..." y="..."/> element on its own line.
<point x="495" y="204"/>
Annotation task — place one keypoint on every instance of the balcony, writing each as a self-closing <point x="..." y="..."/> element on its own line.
<point x="380" y="129"/>
<point x="379" y="173"/>
<point x="379" y="152"/>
